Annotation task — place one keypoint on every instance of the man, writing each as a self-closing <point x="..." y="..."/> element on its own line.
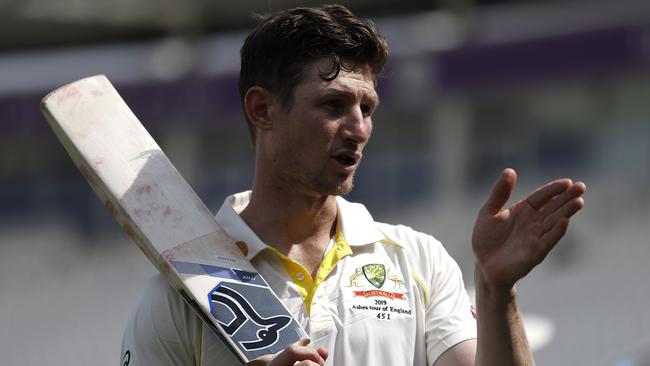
<point x="367" y="293"/>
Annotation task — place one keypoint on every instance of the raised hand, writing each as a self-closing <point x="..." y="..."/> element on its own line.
<point x="509" y="242"/>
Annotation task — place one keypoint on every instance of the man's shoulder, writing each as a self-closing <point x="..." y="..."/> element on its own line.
<point x="162" y="309"/>
<point x="157" y="290"/>
<point x="408" y="238"/>
<point x="427" y="259"/>
<point x="162" y="329"/>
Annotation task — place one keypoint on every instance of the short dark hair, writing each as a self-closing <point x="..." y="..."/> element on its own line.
<point x="276" y="51"/>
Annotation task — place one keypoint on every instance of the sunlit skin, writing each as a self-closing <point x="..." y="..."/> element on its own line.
<point x="316" y="145"/>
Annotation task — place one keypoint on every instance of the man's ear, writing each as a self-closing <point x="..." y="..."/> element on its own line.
<point x="258" y="105"/>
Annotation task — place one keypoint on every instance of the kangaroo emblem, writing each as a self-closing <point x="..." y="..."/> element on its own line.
<point x="397" y="280"/>
<point x="355" y="277"/>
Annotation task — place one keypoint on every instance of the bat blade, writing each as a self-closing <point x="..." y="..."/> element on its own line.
<point x="158" y="209"/>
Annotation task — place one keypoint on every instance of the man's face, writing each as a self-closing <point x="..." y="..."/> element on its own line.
<point x="317" y="143"/>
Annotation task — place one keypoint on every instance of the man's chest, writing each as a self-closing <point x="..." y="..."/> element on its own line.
<point x="368" y="306"/>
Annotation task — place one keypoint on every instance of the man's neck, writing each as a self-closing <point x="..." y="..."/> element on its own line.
<point x="297" y="225"/>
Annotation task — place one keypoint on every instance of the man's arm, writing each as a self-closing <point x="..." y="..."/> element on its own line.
<point x="162" y="330"/>
<point x="508" y="243"/>
<point x="502" y="338"/>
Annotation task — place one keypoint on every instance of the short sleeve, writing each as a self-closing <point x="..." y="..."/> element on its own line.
<point x="448" y="314"/>
<point x="162" y="329"/>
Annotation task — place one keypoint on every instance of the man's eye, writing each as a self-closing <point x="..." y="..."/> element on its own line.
<point x="335" y="106"/>
<point x="366" y="110"/>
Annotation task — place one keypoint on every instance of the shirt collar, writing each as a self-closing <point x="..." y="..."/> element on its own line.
<point x="354" y="222"/>
<point x="236" y="228"/>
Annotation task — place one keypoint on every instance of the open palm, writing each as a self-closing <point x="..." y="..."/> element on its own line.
<point x="509" y="242"/>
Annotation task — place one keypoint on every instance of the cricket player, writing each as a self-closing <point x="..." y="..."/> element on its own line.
<point x="367" y="293"/>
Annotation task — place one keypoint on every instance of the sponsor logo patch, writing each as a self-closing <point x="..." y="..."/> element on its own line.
<point x="371" y="292"/>
<point x="375" y="274"/>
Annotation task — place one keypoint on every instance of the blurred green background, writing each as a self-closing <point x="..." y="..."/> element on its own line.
<point x="550" y="88"/>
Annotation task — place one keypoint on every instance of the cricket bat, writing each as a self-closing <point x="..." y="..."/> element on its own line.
<point x="158" y="209"/>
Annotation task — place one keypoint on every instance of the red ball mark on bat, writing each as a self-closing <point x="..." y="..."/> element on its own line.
<point x="96" y="92"/>
<point x="167" y="211"/>
<point x="98" y="162"/>
<point x="201" y="207"/>
<point x="66" y="93"/>
<point x="139" y="212"/>
<point x="143" y="189"/>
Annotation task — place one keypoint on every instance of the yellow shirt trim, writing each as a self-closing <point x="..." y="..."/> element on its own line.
<point x="338" y="251"/>
<point x="390" y="242"/>
<point x="421" y="285"/>
<point x="418" y="280"/>
<point x="307" y="285"/>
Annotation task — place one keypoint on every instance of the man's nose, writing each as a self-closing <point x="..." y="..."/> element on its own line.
<point x="357" y="127"/>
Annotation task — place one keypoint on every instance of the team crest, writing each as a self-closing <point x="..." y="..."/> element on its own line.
<point x="375" y="274"/>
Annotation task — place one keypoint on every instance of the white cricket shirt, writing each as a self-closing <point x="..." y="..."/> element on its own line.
<point x="383" y="295"/>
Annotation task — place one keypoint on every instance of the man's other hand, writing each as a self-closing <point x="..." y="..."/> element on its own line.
<point x="298" y="354"/>
<point x="509" y="242"/>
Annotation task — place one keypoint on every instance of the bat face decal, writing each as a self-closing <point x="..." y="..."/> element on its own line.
<point x="266" y="330"/>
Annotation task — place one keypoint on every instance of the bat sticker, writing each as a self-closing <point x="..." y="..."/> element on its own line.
<point x="219" y="272"/>
<point x="263" y="334"/>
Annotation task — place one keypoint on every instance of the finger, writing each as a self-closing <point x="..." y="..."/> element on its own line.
<point x="576" y="190"/>
<point x="297" y="352"/>
<point x="501" y="191"/>
<point x="267" y="359"/>
<point x="322" y="352"/>
<point x="545" y="193"/>
<point x="292" y="355"/>
<point x="566" y="211"/>
<point x="553" y="236"/>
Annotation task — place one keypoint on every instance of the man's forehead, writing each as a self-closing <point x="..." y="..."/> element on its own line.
<point x="360" y="79"/>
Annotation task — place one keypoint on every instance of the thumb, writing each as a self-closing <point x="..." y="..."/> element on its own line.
<point x="501" y="191"/>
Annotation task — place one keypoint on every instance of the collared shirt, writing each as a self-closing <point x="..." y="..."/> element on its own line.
<point x="383" y="295"/>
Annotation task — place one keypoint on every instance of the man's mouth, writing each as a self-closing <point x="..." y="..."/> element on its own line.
<point x="347" y="159"/>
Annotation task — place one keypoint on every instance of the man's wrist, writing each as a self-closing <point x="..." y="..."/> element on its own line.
<point x="493" y="293"/>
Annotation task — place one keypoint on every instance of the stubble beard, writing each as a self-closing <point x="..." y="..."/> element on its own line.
<point x="319" y="185"/>
<point x="344" y="189"/>
<point x="313" y="182"/>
